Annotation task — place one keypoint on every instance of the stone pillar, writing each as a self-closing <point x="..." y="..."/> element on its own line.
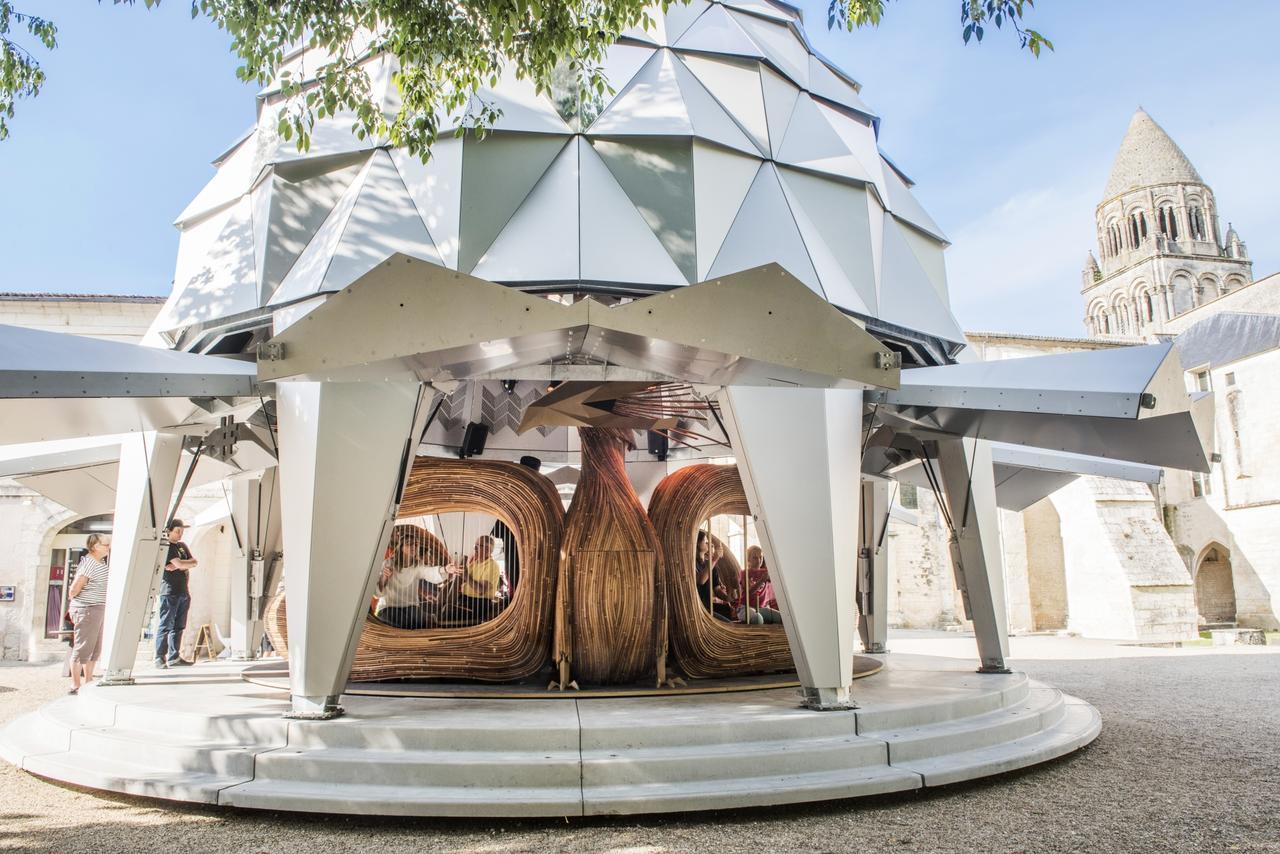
<point x="799" y="456"/>
<point x="345" y="449"/>
<point x="255" y="519"/>
<point x="873" y="567"/>
<point x="969" y="481"/>
<point x="144" y="488"/>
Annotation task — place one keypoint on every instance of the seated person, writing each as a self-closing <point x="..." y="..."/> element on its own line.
<point x="764" y="605"/>
<point x="414" y="582"/>
<point x="478" y="599"/>
<point x="715" y="600"/>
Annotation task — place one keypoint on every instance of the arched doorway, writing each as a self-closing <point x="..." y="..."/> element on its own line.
<point x="1046" y="566"/>
<point x="1215" y="589"/>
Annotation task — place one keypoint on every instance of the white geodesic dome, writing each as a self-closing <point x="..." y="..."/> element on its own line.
<point x="728" y="143"/>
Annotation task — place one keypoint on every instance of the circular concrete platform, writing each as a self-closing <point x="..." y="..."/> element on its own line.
<point x="274" y="673"/>
<point x="204" y="734"/>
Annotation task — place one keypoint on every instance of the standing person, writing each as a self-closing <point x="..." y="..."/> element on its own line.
<point x="175" y="599"/>
<point x="88" y="609"/>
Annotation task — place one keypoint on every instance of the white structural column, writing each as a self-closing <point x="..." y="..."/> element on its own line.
<point x="255" y="519"/>
<point x="343" y="452"/>
<point x="144" y="487"/>
<point x="799" y="457"/>
<point x="969" y="482"/>
<point x="873" y="566"/>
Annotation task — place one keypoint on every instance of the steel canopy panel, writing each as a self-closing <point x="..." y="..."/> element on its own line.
<point x="523" y="109"/>
<point x="436" y="190"/>
<point x="680" y="16"/>
<point x="780" y="97"/>
<point x="237" y="172"/>
<point x="825" y="83"/>
<point x="782" y="47"/>
<point x="216" y="267"/>
<point x="621" y="62"/>
<point x="541" y="239"/>
<point x="904" y="205"/>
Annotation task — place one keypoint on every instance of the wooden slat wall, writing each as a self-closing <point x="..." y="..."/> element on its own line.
<point x="703" y="646"/>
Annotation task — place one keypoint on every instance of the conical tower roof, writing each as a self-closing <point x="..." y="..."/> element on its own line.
<point x="1147" y="157"/>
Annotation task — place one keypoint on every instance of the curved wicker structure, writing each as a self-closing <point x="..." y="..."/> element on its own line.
<point x="611" y="584"/>
<point x="703" y="646"/>
<point x="513" y="645"/>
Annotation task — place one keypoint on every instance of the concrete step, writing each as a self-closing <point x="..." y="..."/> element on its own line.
<point x="701" y="762"/>
<point x="422" y="800"/>
<point x="1078" y="725"/>
<point x="166" y="751"/>
<point x="1042" y="708"/>
<point x="969" y="695"/>
<point x="468" y="767"/>
<point x="759" y="790"/>
<point x="133" y="778"/>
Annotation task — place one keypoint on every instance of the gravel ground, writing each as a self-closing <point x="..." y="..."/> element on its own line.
<point x="1188" y="760"/>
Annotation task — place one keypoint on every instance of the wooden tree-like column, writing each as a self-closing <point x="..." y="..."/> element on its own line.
<point x="514" y="644"/>
<point x="613" y="624"/>
<point x="703" y="646"/>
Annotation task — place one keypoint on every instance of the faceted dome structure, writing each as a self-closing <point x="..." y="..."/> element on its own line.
<point x="728" y="143"/>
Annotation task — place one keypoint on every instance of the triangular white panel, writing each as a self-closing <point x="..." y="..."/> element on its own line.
<point x="860" y="139"/>
<point x="621" y="62"/>
<point x="907" y="296"/>
<point x="612" y="229"/>
<point x="875" y="222"/>
<point x="736" y="85"/>
<point x="710" y="121"/>
<point x="651" y="104"/>
<point x="717" y="32"/>
<point x="523" y="109"/>
<point x="721" y="180"/>
<point x="331" y="135"/>
<point x="833" y="222"/>
<point x="540" y="241"/>
<point x="928" y="252"/>
<point x="436" y="190"/>
<point x="904" y="205"/>
<point x="810" y="136"/>
<point x="781" y="46"/>
<point x="236" y="173"/>
<point x="215" y="269"/>
<point x="307" y="273"/>
<point x="680" y="16"/>
<point x="383" y="222"/>
<point x="780" y="97"/>
<point x="761" y="7"/>
<point x="301" y="198"/>
<point x="764" y="232"/>
<point x="825" y="83"/>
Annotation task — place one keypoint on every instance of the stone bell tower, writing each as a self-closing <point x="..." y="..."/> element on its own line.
<point x="1160" y="249"/>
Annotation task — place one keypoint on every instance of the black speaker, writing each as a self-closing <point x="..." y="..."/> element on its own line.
<point x="531" y="462"/>
<point x="659" y="444"/>
<point x="473" y="440"/>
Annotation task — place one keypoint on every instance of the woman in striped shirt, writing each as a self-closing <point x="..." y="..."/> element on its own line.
<point x="88" y="608"/>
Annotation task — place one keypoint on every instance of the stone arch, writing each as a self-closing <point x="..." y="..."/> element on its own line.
<point x="1210" y="288"/>
<point x="1144" y="302"/>
<point x="1183" y="286"/>
<point x="1120" y="311"/>
<point x="1233" y="283"/>
<point x="1046" y="567"/>
<point x="1215" y="587"/>
<point x="58" y="519"/>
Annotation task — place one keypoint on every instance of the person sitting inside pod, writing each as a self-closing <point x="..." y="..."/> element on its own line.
<point x="760" y="596"/>
<point x="414" y="580"/>
<point x="481" y="578"/>
<point x="715" y="600"/>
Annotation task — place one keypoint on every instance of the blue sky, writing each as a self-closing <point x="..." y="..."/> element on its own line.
<point x="1010" y="154"/>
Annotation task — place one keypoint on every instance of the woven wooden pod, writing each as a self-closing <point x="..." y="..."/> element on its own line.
<point x="513" y="645"/>
<point x="703" y="646"/>
<point x="610" y="587"/>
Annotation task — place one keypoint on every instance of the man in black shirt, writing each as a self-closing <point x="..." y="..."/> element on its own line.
<point x="175" y="599"/>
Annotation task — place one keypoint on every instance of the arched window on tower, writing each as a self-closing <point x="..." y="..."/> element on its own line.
<point x="1168" y="222"/>
<point x="1195" y="220"/>
<point x="1148" y="308"/>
